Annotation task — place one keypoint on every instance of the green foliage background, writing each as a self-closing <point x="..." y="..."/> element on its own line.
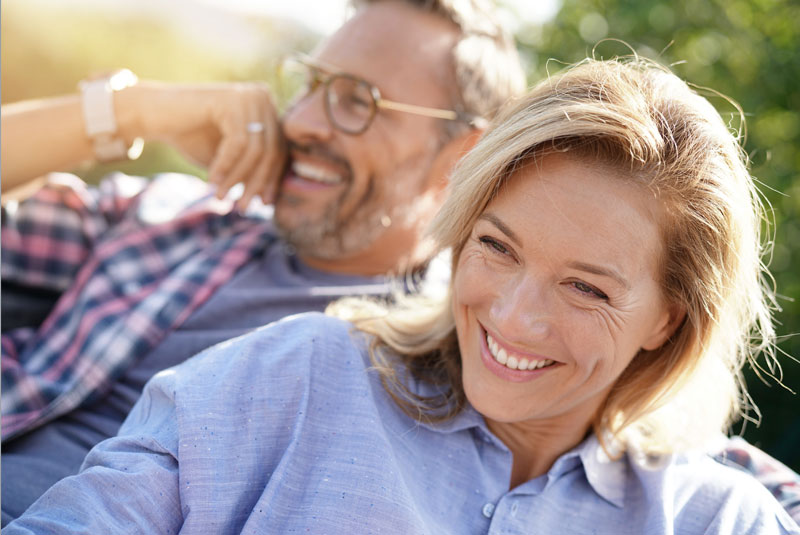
<point x="747" y="49"/>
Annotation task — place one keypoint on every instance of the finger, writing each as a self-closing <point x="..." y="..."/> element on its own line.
<point x="243" y="168"/>
<point x="276" y="153"/>
<point x="234" y="143"/>
<point x="254" y="185"/>
<point x="275" y="169"/>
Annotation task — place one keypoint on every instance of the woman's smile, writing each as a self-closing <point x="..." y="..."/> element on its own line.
<point x="510" y="364"/>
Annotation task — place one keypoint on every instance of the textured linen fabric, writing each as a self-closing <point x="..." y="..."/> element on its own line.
<point x="287" y="430"/>
<point x="266" y="288"/>
<point x="778" y="478"/>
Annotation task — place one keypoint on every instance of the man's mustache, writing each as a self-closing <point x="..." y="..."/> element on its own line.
<point x="317" y="150"/>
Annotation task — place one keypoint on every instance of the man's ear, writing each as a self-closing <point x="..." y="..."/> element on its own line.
<point x="668" y="324"/>
<point x="451" y="152"/>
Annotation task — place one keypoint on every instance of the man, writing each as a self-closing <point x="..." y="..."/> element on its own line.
<point x="361" y="173"/>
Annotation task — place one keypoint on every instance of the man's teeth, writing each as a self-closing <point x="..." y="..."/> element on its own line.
<point x="511" y="361"/>
<point x="318" y="174"/>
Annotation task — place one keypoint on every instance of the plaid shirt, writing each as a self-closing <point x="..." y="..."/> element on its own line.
<point x="133" y="258"/>
<point x="779" y="479"/>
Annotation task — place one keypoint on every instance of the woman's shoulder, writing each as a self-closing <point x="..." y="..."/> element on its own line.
<point x="303" y="344"/>
<point x="709" y="497"/>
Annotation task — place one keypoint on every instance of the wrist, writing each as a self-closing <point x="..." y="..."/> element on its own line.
<point x="129" y="106"/>
<point x="103" y="114"/>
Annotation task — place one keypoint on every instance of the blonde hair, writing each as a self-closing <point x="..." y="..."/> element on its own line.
<point x="645" y="122"/>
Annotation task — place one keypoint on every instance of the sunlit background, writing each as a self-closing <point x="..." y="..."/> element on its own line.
<point x="747" y="49"/>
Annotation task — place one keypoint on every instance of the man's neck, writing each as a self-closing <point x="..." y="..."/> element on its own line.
<point x="364" y="265"/>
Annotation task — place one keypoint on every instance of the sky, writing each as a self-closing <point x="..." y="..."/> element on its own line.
<point x="324" y="16"/>
<point x="216" y="21"/>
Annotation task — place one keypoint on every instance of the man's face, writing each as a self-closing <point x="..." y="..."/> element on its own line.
<point x="342" y="192"/>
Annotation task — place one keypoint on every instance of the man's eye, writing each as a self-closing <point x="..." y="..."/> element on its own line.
<point x="494" y="244"/>
<point x="356" y="101"/>
<point x="589" y="290"/>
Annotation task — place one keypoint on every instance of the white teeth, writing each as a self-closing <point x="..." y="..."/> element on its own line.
<point x="313" y="172"/>
<point x="501" y="355"/>
<point x="515" y="363"/>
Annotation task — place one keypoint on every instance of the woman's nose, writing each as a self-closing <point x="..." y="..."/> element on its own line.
<point x="524" y="308"/>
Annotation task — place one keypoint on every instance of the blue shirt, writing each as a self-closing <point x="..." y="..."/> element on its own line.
<point x="286" y="430"/>
<point x="268" y="287"/>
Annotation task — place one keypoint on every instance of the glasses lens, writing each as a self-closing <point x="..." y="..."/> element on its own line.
<point x="296" y="80"/>
<point x="350" y="103"/>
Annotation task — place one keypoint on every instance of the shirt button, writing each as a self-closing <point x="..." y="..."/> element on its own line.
<point x="488" y="510"/>
<point x="514" y="508"/>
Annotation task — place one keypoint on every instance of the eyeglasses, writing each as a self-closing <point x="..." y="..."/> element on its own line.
<point x="351" y="103"/>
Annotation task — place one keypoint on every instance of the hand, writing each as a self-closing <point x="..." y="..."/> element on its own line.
<point x="209" y="124"/>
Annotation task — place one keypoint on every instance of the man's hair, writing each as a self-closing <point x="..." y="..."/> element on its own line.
<point x="647" y="125"/>
<point x="486" y="67"/>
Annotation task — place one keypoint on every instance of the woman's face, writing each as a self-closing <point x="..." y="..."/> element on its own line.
<point x="556" y="291"/>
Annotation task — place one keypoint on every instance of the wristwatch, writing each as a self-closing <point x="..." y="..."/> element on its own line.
<point x="97" y="98"/>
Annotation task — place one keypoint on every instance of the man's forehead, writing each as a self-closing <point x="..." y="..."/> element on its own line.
<point x="390" y="40"/>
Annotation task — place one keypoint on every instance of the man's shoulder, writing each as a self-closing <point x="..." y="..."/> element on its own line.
<point x="712" y="495"/>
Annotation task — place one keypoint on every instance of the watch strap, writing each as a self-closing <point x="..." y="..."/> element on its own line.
<point x="100" y="123"/>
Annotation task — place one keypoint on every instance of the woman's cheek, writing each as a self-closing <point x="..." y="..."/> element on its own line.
<point x="474" y="279"/>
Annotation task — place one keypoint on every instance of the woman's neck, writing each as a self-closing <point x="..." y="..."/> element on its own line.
<point x="535" y="445"/>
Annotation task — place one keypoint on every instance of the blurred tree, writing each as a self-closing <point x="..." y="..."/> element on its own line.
<point x="747" y="49"/>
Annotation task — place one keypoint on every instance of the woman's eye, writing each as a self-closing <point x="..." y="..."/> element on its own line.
<point x="494" y="244"/>
<point x="589" y="290"/>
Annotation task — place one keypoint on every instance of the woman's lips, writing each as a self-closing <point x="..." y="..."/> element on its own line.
<point x="510" y="365"/>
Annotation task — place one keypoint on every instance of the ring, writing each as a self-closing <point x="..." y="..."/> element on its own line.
<point x="255" y="127"/>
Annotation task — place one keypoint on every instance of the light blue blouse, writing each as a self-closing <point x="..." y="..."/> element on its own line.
<point x="286" y="430"/>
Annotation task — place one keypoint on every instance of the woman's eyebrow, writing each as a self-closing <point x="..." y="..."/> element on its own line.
<point x="502" y="227"/>
<point x="581" y="266"/>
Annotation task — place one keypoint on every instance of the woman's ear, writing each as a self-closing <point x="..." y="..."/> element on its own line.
<point x="671" y="319"/>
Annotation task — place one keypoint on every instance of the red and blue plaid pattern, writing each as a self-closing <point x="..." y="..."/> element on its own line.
<point x="134" y="260"/>
<point x="779" y="479"/>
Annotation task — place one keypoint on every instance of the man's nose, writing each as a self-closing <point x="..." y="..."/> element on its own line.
<point x="306" y="120"/>
<point x="524" y="309"/>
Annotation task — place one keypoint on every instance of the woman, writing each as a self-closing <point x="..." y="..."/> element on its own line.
<point x="606" y="291"/>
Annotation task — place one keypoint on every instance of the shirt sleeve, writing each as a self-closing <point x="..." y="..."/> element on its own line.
<point x="47" y="237"/>
<point x="780" y="480"/>
<point x="128" y="484"/>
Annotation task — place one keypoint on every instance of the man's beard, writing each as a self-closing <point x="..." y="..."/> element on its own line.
<point x="335" y="235"/>
<point x="330" y="236"/>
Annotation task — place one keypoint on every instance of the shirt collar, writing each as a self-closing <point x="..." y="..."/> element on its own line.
<point x="606" y="476"/>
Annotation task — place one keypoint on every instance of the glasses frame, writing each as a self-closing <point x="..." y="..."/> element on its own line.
<point x="324" y="74"/>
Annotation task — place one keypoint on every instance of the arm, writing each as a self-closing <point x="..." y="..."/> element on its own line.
<point x="41" y="136"/>
<point x="128" y="483"/>
<point x="206" y="122"/>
